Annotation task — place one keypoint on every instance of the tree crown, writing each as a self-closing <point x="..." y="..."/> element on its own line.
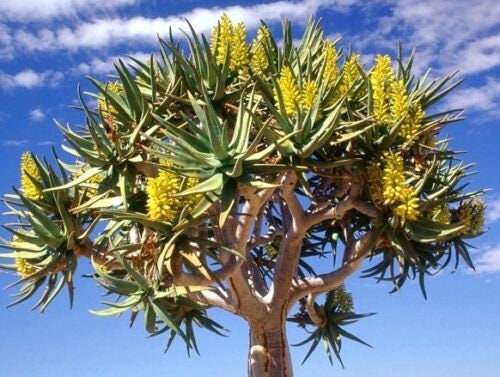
<point x="217" y="177"/>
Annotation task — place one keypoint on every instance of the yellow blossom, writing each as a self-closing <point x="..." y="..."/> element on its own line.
<point x="239" y="50"/>
<point x="259" y="61"/>
<point x="393" y="177"/>
<point x="408" y="209"/>
<point x="471" y="215"/>
<point x="381" y="79"/>
<point x="30" y="172"/>
<point x="104" y="106"/>
<point x="289" y="91"/>
<point x="329" y="56"/>
<point x="23" y="268"/>
<point x="222" y="36"/>
<point x="374" y="174"/>
<point x="162" y="204"/>
<point x="350" y="73"/>
<point x="399" y="101"/>
<point x="403" y="111"/>
<point x="441" y="214"/>
<point x="309" y="94"/>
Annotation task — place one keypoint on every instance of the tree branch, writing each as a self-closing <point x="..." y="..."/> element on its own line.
<point x="291" y="244"/>
<point x="317" y="316"/>
<point x="216" y="297"/>
<point x="355" y="254"/>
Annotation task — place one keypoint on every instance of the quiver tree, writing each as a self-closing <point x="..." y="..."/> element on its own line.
<point x="226" y="176"/>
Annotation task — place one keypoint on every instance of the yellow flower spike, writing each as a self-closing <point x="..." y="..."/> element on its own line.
<point x="472" y="217"/>
<point x="414" y="123"/>
<point x="393" y="178"/>
<point x="162" y="205"/>
<point x="408" y="209"/>
<point x="350" y="73"/>
<point x="29" y="168"/>
<point x="374" y="174"/>
<point x="331" y="71"/>
<point x="114" y="87"/>
<point x="23" y="268"/>
<point x="309" y="94"/>
<point x="381" y="79"/>
<point x="239" y="50"/>
<point x="289" y="91"/>
<point x="223" y="37"/>
<point x="259" y="61"/>
<point x="441" y="214"/>
<point x="399" y="102"/>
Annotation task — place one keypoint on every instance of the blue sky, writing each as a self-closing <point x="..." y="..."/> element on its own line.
<point x="47" y="47"/>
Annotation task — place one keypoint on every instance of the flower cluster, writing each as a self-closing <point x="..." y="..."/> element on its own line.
<point x="23" y="268"/>
<point x="330" y="57"/>
<point x="289" y="91"/>
<point x="228" y="38"/>
<point x="259" y="61"/>
<point x="350" y="74"/>
<point x="162" y="204"/>
<point x="391" y="102"/>
<point x="30" y="174"/>
<point x="374" y="175"/>
<point x="293" y="96"/>
<point x="471" y="215"/>
<point x="381" y="80"/>
<point x="341" y="299"/>
<point x="309" y="94"/>
<point x="395" y="190"/>
<point x="441" y="214"/>
<point x="103" y="104"/>
<point x="411" y="115"/>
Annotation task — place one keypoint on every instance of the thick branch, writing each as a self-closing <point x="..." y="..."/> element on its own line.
<point x="181" y="278"/>
<point x="317" y="316"/>
<point x="356" y="252"/>
<point x="217" y="297"/>
<point x="291" y="244"/>
<point x="246" y="282"/>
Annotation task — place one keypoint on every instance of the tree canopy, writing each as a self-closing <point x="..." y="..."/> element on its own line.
<point x="223" y="173"/>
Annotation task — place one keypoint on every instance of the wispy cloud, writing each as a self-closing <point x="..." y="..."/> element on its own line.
<point x="37" y="115"/>
<point x="493" y="210"/>
<point x="43" y="10"/>
<point x="448" y="34"/>
<point x="101" y="66"/>
<point x="489" y="260"/>
<point x="24" y="143"/>
<point x="110" y="31"/>
<point x="29" y="79"/>
<point x="484" y="98"/>
<point x="14" y="143"/>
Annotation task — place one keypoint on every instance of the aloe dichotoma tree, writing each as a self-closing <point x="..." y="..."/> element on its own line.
<point x="223" y="174"/>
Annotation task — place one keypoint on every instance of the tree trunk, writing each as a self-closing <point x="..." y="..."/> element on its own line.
<point x="269" y="355"/>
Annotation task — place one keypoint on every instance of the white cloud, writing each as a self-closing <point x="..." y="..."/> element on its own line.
<point x="105" y="32"/>
<point x="101" y="66"/>
<point x="29" y="79"/>
<point x="41" y="10"/>
<point x="37" y="115"/>
<point x="24" y="142"/>
<point x="489" y="261"/>
<point x="6" y="48"/>
<point x="448" y="34"/>
<point x="484" y="98"/>
<point x="13" y="143"/>
<point x="493" y="210"/>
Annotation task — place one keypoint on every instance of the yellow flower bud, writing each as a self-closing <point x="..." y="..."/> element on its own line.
<point x="30" y="172"/>
<point x="381" y="79"/>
